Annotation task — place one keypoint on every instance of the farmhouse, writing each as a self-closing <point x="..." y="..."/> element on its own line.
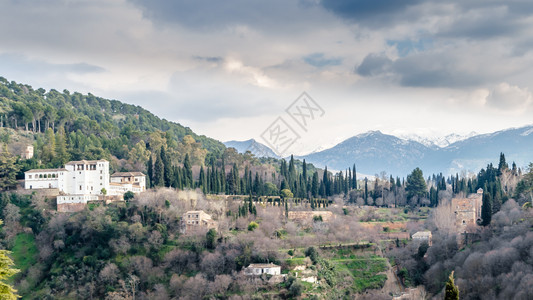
<point x="259" y="269"/>
<point x="195" y="221"/>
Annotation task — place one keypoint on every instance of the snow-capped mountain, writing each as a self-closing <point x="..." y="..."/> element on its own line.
<point x="438" y="141"/>
<point x="373" y="152"/>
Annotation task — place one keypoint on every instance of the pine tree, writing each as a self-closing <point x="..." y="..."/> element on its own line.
<point x="452" y="291"/>
<point x="416" y="184"/>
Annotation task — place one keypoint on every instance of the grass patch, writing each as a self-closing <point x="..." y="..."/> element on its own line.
<point x="24" y="251"/>
<point x="365" y="272"/>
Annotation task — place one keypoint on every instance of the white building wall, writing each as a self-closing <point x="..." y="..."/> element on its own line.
<point x="76" y="199"/>
<point x="41" y="180"/>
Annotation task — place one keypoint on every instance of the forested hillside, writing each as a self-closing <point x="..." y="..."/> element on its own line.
<point x="71" y="126"/>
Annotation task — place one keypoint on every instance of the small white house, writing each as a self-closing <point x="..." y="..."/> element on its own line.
<point x="259" y="269"/>
<point x="423" y="236"/>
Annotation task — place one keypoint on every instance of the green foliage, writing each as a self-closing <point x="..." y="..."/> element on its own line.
<point x="252" y="226"/>
<point x="8" y="171"/>
<point x="312" y="253"/>
<point x="6" y="271"/>
<point x="416" y="184"/>
<point x="486" y="209"/>
<point x="451" y="292"/>
<point x="128" y="195"/>
<point x="210" y="239"/>
<point x="286" y="193"/>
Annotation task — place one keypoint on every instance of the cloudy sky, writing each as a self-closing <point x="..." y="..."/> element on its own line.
<point x="228" y="69"/>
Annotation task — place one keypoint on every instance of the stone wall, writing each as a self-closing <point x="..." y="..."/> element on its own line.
<point x="71" y="207"/>
<point x="303" y="216"/>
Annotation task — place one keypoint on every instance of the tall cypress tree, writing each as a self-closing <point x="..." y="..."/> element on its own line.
<point x="451" y="291"/>
<point x="354" y="177"/>
<point x="150" y="170"/>
<point x="159" y="176"/>
<point x="188" y="171"/>
<point x="486" y="209"/>
<point x="167" y="167"/>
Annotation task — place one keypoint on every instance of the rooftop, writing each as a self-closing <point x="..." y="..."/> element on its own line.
<point x="84" y="162"/>
<point x="127" y="174"/>
<point x="45" y="170"/>
<point x="270" y="265"/>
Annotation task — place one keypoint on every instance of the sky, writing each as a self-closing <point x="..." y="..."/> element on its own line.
<point x="233" y="69"/>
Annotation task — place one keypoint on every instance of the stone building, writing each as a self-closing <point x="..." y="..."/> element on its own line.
<point x="27" y="153"/>
<point x="122" y="182"/>
<point x="196" y="221"/>
<point x="422" y="236"/>
<point x="467" y="211"/>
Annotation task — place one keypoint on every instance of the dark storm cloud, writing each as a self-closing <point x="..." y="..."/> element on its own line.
<point x="275" y="15"/>
<point x="378" y="13"/>
<point x="435" y="69"/>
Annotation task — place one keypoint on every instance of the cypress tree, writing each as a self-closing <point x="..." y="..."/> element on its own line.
<point x="150" y="171"/>
<point x="188" y="171"/>
<point x="486" y="209"/>
<point x="159" y="179"/>
<point x="354" y="177"/>
<point x="452" y="291"/>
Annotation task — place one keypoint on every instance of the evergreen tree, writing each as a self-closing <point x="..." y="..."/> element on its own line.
<point x="150" y="171"/>
<point x="187" y="171"/>
<point x="416" y="185"/>
<point x="61" y="155"/>
<point x="502" y="165"/>
<point x="315" y="185"/>
<point x="8" y="171"/>
<point x="452" y="291"/>
<point x="486" y="209"/>
<point x="354" y="178"/>
<point x="167" y="167"/>
<point x="366" y="191"/>
<point x="159" y="171"/>
<point x="6" y="291"/>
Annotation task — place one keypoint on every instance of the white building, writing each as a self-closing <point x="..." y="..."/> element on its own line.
<point x="85" y="180"/>
<point x="85" y="177"/>
<point x="259" y="269"/>
<point x="121" y="182"/>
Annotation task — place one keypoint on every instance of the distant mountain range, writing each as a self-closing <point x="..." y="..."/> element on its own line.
<point x="374" y="151"/>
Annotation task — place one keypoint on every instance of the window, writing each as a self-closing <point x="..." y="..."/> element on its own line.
<point x="100" y="171"/>
<point x="29" y="176"/>
<point x="80" y="187"/>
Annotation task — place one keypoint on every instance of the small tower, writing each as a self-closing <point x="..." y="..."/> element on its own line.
<point x="480" y="191"/>
<point x="27" y="153"/>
